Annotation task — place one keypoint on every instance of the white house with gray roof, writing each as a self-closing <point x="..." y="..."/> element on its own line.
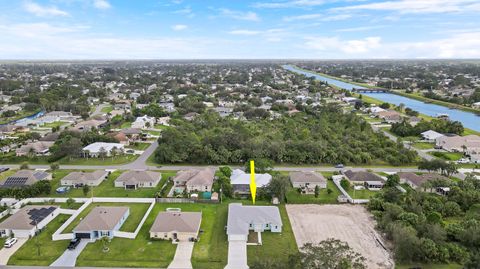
<point x="241" y="181"/>
<point x="132" y="180"/>
<point x="102" y="221"/>
<point x="84" y="178"/>
<point x="28" y="220"/>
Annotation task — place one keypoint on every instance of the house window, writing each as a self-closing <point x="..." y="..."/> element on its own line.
<point x="150" y="183"/>
<point x="266" y="225"/>
<point x="165" y="235"/>
<point x="251" y="225"/>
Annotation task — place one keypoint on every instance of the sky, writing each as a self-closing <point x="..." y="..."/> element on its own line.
<point x="239" y="29"/>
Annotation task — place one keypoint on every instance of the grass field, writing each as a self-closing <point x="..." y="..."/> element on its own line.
<point x="428" y="266"/>
<point x="124" y="159"/>
<point x="54" y="124"/>
<point x="139" y="146"/>
<point x="107" y="109"/>
<point x="49" y="250"/>
<point x="276" y="246"/>
<point x="423" y="145"/>
<point x="107" y="188"/>
<point x="293" y="197"/>
<point x="137" y="210"/>
<point x="361" y="194"/>
<point x="126" y="125"/>
<point x="449" y="156"/>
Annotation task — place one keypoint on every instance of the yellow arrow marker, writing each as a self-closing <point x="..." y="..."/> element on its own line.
<point x="253" y="184"/>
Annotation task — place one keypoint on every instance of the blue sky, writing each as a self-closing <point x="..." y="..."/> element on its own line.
<point x="239" y="29"/>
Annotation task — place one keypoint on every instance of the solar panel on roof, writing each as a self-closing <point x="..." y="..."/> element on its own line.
<point x="15" y="181"/>
<point x="37" y="215"/>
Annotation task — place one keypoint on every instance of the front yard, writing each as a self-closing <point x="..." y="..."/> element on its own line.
<point x="448" y="156"/>
<point x="41" y="250"/>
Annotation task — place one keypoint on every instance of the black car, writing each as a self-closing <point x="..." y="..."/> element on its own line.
<point x="73" y="243"/>
<point x="339" y="165"/>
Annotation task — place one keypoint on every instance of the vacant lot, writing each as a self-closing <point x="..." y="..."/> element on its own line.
<point x="352" y="224"/>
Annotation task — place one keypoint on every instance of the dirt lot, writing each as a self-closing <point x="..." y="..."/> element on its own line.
<point x="349" y="223"/>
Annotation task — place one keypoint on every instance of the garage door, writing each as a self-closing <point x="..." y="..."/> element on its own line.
<point x="82" y="235"/>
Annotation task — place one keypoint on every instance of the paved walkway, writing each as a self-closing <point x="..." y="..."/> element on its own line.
<point x="237" y="255"/>
<point x="182" y="256"/>
<point x="69" y="257"/>
<point x="6" y="253"/>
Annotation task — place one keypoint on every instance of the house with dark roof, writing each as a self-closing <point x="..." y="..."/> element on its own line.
<point x="360" y="177"/>
<point x="132" y="180"/>
<point x="307" y="181"/>
<point x="417" y="181"/>
<point x="28" y="220"/>
<point x="176" y="226"/>
<point x="195" y="179"/>
<point x="38" y="148"/>
<point x="102" y="221"/>
<point x="24" y="178"/>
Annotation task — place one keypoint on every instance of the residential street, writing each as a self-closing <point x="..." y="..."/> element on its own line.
<point x="69" y="257"/>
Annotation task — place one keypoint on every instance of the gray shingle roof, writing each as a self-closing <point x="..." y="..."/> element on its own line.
<point x="184" y="222"/>
<point x="102" y="218"/>
<point x="240" y="217"/>
<point x="306" y="177"/>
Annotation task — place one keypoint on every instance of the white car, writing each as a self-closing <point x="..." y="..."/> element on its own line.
<point x="10" y="242"/>
<point x="463" y="160"/>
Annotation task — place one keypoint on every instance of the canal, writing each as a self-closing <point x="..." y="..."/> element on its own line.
<point x="469" y="120"/>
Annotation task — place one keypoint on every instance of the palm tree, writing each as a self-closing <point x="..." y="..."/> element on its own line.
<point x="105" y="241"/>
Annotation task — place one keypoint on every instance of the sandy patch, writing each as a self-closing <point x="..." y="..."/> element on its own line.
<point x="349" y="223"/>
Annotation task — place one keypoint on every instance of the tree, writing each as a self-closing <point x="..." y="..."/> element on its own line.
<point x="345" y="184"/>
<point x="392" y="181"/>
<point x="317" y="191"/>
<point x="330" y="253"/>
<point x="54" y="166"/>
<point x="262" y="166"/>
<point x="226" y="171"/>
<point x="24" y="166"/>
<point x="278" y="187"/>
<point x="102" y="153"/>
<point x="105" y="241"/>
<point x="85" y="189"/>
<point x="385" y="105"/>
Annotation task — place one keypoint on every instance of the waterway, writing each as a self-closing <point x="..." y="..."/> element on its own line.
<point x="469" y="120"/>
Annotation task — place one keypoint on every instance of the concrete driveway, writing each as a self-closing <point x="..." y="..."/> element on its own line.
<point x="237" y="255"/>
<point x="182" y="256"/>
<point x="6" y="253"/>
<point x="69" y="257"/>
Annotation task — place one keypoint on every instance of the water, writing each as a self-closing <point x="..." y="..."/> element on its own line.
<point x="469" y="120"/>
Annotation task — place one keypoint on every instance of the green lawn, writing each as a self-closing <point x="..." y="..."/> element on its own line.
<point x="137" y="210"/>
<point x="107" y="109"/>
<point x="361" y="194"/>
<point x="160" y="126"/>
<point x="54" y="124"/>
<point x="429" y="266"/>
<point x="126" y="125"/>
<point x="124" y="159"/>
<point x="293" y="197"/>
<point x="449" y="156"/>
<point x="49" y="250"/>
<point x="423" y="145"/>
<point x="276" y="246"/>
<point x="139" y="146"/>
<point x="154" y="132"/>
<point x="107" y="188"/>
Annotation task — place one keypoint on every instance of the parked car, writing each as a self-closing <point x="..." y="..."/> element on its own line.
<point x="74" y="243"/>
<point x="10" y="242"/>
<point x="63" y="189"/>
<point x="463" y="160"/>
<point x="339" y="165"/>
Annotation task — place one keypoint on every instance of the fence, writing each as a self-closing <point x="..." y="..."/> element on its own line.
<point x="186" y="201"/>
<point x="345" y="193"/>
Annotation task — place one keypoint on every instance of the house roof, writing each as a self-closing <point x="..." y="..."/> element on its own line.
<point x="431" y="134"/>
<point x="103" y="218"/>
<point x="306" y="177"/>
<point x="196" y="176"/>
<point x="24" y="178"/>
<point x="240" y="217"/>
<point x="95" y="147"/>
<point x="27" y="217"/>
<point x="85" y="177"/>
<point x="134" y="177"/>
<point x="37" y="147"/>
<point x="184" y="222"/>
<point x="361" y="176"/>
<point x="418" y="180"/>
<point x="239" y="177"/>
<point x="131" y="131"/>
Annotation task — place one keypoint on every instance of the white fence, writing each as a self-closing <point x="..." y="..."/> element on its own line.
<point x="57" y="235"/>
<point x="345" y="193"/>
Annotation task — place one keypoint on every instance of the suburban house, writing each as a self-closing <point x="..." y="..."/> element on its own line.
<point x="98" y="148"/>
<point x="38" y="148"/>
<point x="24" y="178"/>
<point x="389" y="116"/>
<point x="245" y="219"/>
<point x="133" y="134"/>
<point x="195" y="180"/>
<point x="84" y="178"/>
<point x="307" y="181"/>
<point x="132" y="180"/>
<point x="102" y="221"/>
<point x="164" y="121"/>
<point x="362" y="177"/>
<point x="176" y="226"/>
<point x="430" y="136"/>
<point x="416" y="181"/>
<point x="241" y="181"/>
<point x="143" y="122"/>
<point x="469" y="144"/>
<point x="90" y="125"/>
<point x="28" y="220"/>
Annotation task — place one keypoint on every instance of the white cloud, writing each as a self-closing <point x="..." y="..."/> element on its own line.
<point x="360" y="28"/>
<point x="289" y="4"/>
<point x="270" y="35"/>
<point x="179" y="27"/>
<point x="101" y="4"/>
<point x="245" y="32"/>
<point x="419" y="6"/>
<point x="239" y="15"/>
<point x="318" y="16"/>
<point x="43" y="11"/>
<point x="355" y="46"/>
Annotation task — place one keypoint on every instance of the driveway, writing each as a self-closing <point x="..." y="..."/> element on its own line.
<point x="6" y="253"/>
<point x="237" y="255"/>
<point x="69" y="257"/>
<point x="182" y="256"/>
